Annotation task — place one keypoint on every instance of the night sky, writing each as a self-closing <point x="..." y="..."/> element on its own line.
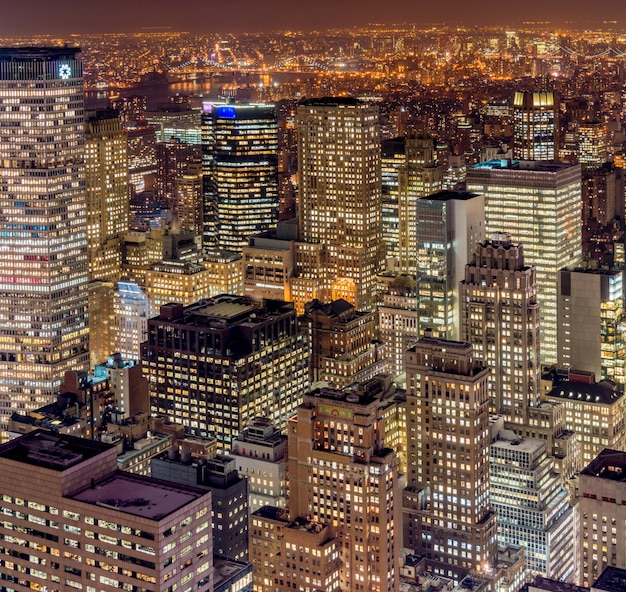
<point x="25" y="17"/>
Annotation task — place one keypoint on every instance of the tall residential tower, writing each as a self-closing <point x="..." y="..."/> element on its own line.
<point x="446" y="509"/>
<point x="500" y="318"/>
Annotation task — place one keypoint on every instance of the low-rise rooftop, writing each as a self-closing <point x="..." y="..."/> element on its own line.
<point x="52" y="451"/>
<point x="612" y="579"/>
<point x="138" y="495"/>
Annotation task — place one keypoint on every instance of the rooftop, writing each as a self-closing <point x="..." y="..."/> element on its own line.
<point x="603" y="393"/>
<point x="361" y="397"/>
<point x="543" y="166"/>
<point x="225" y="310"/>
<point x="52" y="451"/>
<point x="272" y="513"/>
<point x="611" y="272"/>
<point x="473" y="584"/>
<point x="609" y="464"/>
<point x="9" y="53"/>
<point x="541" y="583"/>
<point x="450" y="195"/>
<point x="228" y="570"/>
<point x="138" y="495"/>
<point x="518" y="443"/>
<point x="612" y="579"/>
<point x="332" y="102"/>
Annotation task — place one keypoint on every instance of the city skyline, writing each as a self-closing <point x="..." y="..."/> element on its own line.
<point x="366" y="286"/>
<point x="72" y="16"/>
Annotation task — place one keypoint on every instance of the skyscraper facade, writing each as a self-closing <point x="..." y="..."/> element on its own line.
<point x="446" y="508"/>
<point x="341" y="473"/>
<point x="533" y="507"/>
<point x="409" y="171"/>
<point x="602" y="514"/>
<point x="240" y="173"/>
<point x="449" y="224"/>
<point x="215" y="365"/>
<point x="593" y="139"/>
<point x="500" y="318"/>
<point x="591" y="334"/>
<point x="397" y="322"/>
<point x="339" y="207"/>
<point x="535" y="119"/>
<point x="538" y="203"/>
<point x="43" y="229"/>
<point x="72" y="521"/>
<point x="106" y="163"/>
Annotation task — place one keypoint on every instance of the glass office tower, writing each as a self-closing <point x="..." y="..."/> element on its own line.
<point x="43" y="233"/>
<point x="240" y="168"/>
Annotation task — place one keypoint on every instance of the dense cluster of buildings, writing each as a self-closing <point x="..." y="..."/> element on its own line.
<point x="416" y="381"/>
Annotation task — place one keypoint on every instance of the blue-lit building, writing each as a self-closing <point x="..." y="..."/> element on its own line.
<point x="240" y="173"/>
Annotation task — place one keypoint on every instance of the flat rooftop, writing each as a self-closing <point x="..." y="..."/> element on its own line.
<point x="272" y="513"/>
<point x="228" y="570"/>
<point x="52" y="451"/>
<point x="224" y="310"/>
<point x="473" y="584"/>
<point x="612" y="579"/>
<point x="140" y="496"/>
<point x="528" y="445"/>
<point x="544" y="166"/>
<point x="451" y="195"/>
<point x="548" y="585"/>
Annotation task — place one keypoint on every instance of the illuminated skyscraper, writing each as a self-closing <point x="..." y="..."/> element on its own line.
<point x="342" y="344"/>
<point x="189" y="199"/>
<point x="591" y="333"/>
<point x="106" y="163"/>
<point x="227" y="361"/>
<point x="341" y="473"/>
<point x="446" y="508"/>
<point x="398" y="323"/>
<point x="240" y="168"/>
<point x="73" y="487"/>
<point x="409" y="171"/>
<point x="174" y="159"/>
<point x="141" y="155"/>
<point x="532" y="505"/>
<point x="500" y="318"/>
<point x="594" y="411"/>
<point x="535" y="119"/>
<point x="130" y="309"/>
<point x="106" y="166"/>
<point x="538" y="203"/>
<point x="43" y="225"/>
<point x="593" y="139"/>
<point x="449" y="224"/>
<point x="339" y="206"/>
<point x="602" y="515"/>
